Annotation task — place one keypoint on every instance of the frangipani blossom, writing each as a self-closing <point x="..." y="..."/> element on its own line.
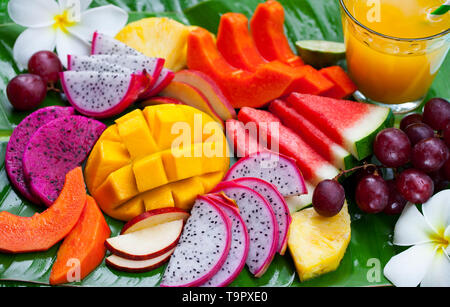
<point x="427" y="262"/>
<point x="51" y="25"/>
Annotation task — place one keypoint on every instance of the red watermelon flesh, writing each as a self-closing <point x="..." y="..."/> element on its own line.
<point x="318" y="140"/>
<point x="244" y="141"/>
<point x="313" y="166"/>
<point x="353" y="125"/>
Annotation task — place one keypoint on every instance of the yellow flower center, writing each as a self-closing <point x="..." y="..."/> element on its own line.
<point x="63" y="21"/>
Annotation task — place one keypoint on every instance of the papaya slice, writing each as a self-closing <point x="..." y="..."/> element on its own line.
<point x="242" y="88"/>
<point x="86" y="243"/>
<point x="42" y="231"/>
<point x="236" y="44"/>
<point x="343" y="85"/>
<point x="267" y="27"/>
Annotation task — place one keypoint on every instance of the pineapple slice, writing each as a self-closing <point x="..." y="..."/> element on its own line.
<point x="317" y="244"/>
<point x="158" y="37"/>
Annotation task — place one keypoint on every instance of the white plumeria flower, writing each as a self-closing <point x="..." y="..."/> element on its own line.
<point x="427" y="262"/>
<point x="51" y="24"/>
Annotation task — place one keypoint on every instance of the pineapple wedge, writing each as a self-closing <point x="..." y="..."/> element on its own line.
<point x="317" y="244"/>
<point x="158" y="37"/>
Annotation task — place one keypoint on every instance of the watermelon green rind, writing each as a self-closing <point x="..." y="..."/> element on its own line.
<point x="364" y="145"/>
<point x="350" y="161"/>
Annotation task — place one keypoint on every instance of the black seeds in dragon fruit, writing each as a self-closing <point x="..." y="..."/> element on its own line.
<point x="202" y="249"/>
<point x="104" y="44"/>
<point x="54" y="150"/>
<point x="18" y="141"/>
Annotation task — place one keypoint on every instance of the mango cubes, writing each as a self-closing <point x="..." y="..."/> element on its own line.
<point x="163" y="156"/>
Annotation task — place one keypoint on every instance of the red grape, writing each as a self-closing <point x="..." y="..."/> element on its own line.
<point x="445" y="170"/>
<point x="372" y="194"/>
<point x="446" y="134"/>
<point x="328" y="198"/>
<point x="418" y="132"/>
<point x="415" y="186"/>
<point x="26" y="92"/>
<point x="392" y="147"/>
<point x="439" y="179"/>
<point x="436" y="113"/>
<point x="410" y="119"/>
<point x="396" y="202"/>
<point x="429" y="155"/>
<point x="45" y="64"/>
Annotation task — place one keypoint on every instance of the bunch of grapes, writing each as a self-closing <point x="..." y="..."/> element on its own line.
<point x="418" y="153"/>
<point x="26" y="91"/>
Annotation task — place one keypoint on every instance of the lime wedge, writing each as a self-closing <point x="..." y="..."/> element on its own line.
<point x="320" y="53"/>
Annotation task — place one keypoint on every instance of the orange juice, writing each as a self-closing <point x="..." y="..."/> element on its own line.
<point x="394" y="48"/>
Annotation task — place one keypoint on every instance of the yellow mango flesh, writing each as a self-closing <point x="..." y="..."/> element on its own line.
<point x="317" y="244"/>
<point x="159" y="157"/>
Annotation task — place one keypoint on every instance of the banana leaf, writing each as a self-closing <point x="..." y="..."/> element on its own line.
<point x="371" y="244"/>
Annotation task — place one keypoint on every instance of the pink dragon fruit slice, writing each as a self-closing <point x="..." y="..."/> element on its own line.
<point x="279" y="170"/>
<point x="105" y="44"/>
<point x="55" y="149"/>
<point x="125" y="64"/>
<point x="279" y="206"/>
<point x="18" y="141"/>
<point x="102" y="95"/>
<point x="240" y="243"/>
<point x="261" y="224"/>
<point x="166" y="76"/>
<point x="203" y="247"/>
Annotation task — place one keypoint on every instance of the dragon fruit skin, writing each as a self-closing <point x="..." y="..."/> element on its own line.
<point x="56" y="148"/>
<point x="165" y="77"/>
<point x="104" y="44"/>
<point x="240" y="243"/>
<point x="261" y="224"/>
<point x="279" y="206"/>
<point x="206" y="237"/>
<point x="102" y="95"/>
<point x="18" y="141"/>
<point x="278" y="169"/>
<point x="125" y="64"/>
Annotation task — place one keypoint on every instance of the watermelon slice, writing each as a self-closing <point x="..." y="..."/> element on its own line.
<point x="353" y="125"/>
<point x="313" y="166"/>
<point x="328" y="149"/>
<point x="243" y="140"/>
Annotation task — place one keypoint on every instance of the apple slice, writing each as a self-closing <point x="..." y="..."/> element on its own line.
<point x="191" y="96"/>
<point x="210" y="90"/>
<point x="154" y="217"/>
<point x="147" y="243"/>
<point x="160" y="100"/>
<point x="137" y="266"/>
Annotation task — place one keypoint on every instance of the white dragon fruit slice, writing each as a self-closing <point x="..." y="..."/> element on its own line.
<point x="279" y="170"/>
<point x="240" y="242"/>
<point x="203" y="247"/>
<point x="105" y="44"/>
<point x="124" y="64"/>
<point x="261" y="224"/>
<point x="102" y="95"/>
<point x="279" y="206"/>
<point x="165" y="77"/>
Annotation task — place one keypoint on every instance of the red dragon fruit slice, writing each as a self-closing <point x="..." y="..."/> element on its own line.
<point x="261" y="224"/>
<point x="203" y="247"/>
<point x="18" y="141"/>
<point x="102" y="95"/>
<point x="165" y="77"/>
<point x="56" y="148"/>
<point x="279" y="170"/>
<point x="105" y="44"/>
<point x="240" y="241"/>
<point x="125" y="64"/>
<point x="279" y="206"/>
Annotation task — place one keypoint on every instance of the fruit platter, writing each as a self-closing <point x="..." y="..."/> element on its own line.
<point x="191" y="143"/>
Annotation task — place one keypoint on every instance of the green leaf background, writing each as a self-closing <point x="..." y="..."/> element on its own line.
<point x="371" y="244"/>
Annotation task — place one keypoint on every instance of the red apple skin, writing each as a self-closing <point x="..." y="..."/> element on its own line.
<point x="128" y="256"/>
<point x="135" y="270"/>
<point x="210" y="90"/>
<point x="169" y="211"/>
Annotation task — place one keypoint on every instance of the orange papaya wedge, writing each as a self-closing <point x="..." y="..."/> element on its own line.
<point x="85" y="243"/>
<point x="267" y="28"/>
<point x="236" y="44"/>
<point x="343" y="86"/>
<point x="42" y="231"/>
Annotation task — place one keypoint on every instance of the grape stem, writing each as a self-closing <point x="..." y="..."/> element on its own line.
<point x="354" y="169"/>
<point x="51" y="87"/>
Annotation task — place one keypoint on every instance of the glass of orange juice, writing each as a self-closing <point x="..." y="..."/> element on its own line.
<point x="394" y="49"/>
